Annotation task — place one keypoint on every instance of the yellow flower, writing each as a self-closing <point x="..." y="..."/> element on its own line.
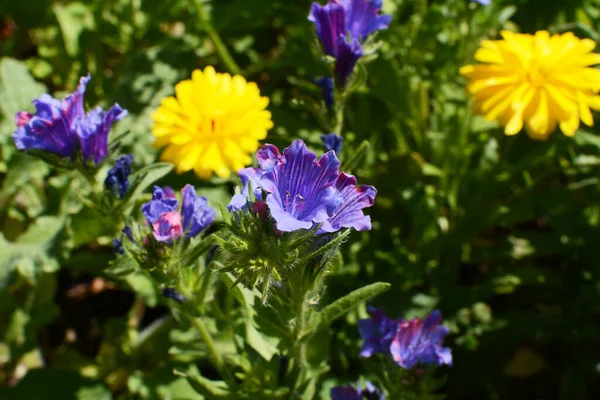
<point x="539" y="81"/>
<point x="214" y="124"/>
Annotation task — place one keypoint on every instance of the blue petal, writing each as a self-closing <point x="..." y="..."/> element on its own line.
<point x="160" y="203"/>
<point x="196" y="214"/>
<point x="329" y="21"/>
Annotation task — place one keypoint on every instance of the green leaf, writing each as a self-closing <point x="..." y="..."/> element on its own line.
<point x="145" y="177"/>
<point x="73" y="19"/>
<point x="322" y="250"/>
<point x="17" y="88"/>
<point x="89" y="225"/>
<point x="190" y="256"/>
<point x="206" y="387"/>
<point x="343" y="305"/>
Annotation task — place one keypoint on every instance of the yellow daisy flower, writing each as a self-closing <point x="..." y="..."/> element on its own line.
<point x="213" y="124"/>
<point x="539" y="81"/>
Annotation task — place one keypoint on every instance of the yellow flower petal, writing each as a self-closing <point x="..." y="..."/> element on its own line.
<point x="212" y="124"/>
<point x="538" y="81"/>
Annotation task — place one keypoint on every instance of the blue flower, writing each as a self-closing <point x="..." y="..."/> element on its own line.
<point x="118" y="243"/>
<point x="332" y="141"/>
<point x="483" y="2"/>
<point x="62" y="127"/>
<point x="342" y="25"/>
<point x="377" y="331"/>
<point x="168" y="224"/>
<point x="370" y="392"/>
<point x="303" y="191"/>
<point x="407" y="342"/>
<point x="420" y="341"/>
<point x="326" y="85"/>
<point x="173" y="294"/>
<point x="117" y="179"/>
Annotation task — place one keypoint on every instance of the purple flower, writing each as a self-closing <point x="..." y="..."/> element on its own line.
<point x="420" y="341"/>
<point x="62" y="127"/>
<point x="117" y="179"/>
<point x="168" y="224"/>
<point x="342" y="25"/>
<point x="332" y="141"/>
<point x="407" y="342"/>
<point x="303" y="191"/>
<point x="377" y="331"/>
<point x="370" y="392"/>
<point x="326" y="85"/>
<point x="173" y="294"/>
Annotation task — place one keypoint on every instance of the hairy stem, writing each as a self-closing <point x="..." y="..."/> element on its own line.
<point x="212" y="348"/>
<point x="220" y="47"/>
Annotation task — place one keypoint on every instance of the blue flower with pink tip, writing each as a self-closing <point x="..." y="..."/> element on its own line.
<point x="303" y="190"/>
<point x="63" y="127"/>
<point x="169" y="224"/>
<point x="407" y="342"/>
<point x="342" y="27"/>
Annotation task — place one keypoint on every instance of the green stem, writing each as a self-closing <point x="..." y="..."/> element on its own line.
<point x="220" y="47"/>
<point x="212" y="348"/>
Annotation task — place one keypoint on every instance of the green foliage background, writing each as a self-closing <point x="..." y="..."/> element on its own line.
<point x="500" y="233"/>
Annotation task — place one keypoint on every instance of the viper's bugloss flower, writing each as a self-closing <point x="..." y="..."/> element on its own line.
<point x="370" y="392"/>
<point x="378" y="332"/>
<point x="342" y="25"/>
<point x="412" y="342"/>
<point x="118" y="243"/>
<point x="117" y="179"/>
<point x="327" y="90"/>
<point x="213" y="124"/>
<point x="303" y="191"/>
<point x="169" y="224"/>
<point x="332" y="141"/>
<point x="173" y="294"/>
<point x="535" y="81"/>
<point x="62" y="127"/>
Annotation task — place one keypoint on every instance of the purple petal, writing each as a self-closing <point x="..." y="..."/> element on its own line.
<point x="329" y="22"/>
<point x="345" y="393"/>
<point x="168" y="227"/>
<point x="348" y="55"/>
<point x="159" y="204"/>
<point x="362" y="18"/>
<point x="93" y="129"/>
<point x="197" y="215"/>
<point x="349" y="212"/>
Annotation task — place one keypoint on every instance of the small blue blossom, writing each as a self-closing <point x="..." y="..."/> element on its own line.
<point x="118" y="243"/>
<point x="407" y="342"/>
<point x="483" y="2"/>
<point x="342" y="25"/>
<point x="303" y="191"/>
<point x="169" y="224"/>
<point x="117" y="179"/>
<point x="62" y="127"/>
<point x="327" y="85"/>
<point x="370" y="392"/>
<point x="173" y="294"/>
<point x="332" y="141"/>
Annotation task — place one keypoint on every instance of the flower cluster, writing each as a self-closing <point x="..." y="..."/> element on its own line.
<point x="213" y="124"/>
<point x="117" y="179"/>
<point x="370" y="392"/>
<point x="536" y="81"/>
<point x="62" y="127"/>
<point x="303" y="191"/>
<point x="407" y="342"/>
<point x="342" y="27"/>
<point x="167" y="223"/>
